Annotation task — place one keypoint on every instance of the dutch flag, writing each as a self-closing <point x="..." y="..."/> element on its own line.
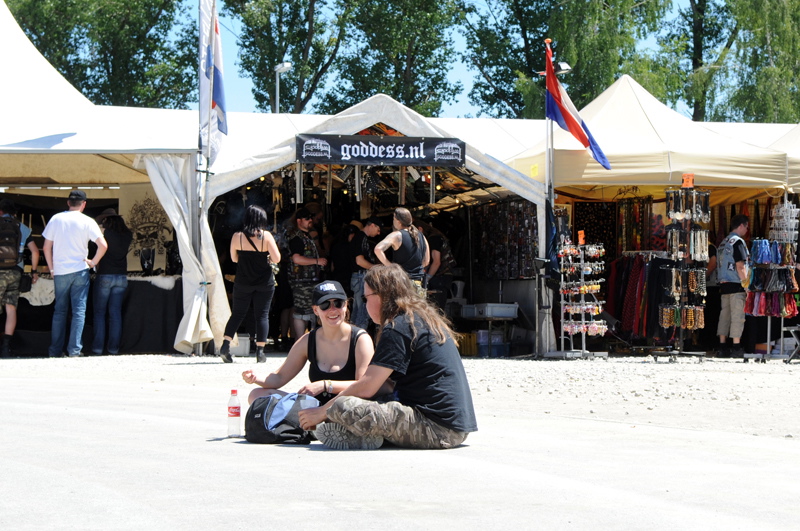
<point x="560" y="109"/>
<point x="213" y="120"/>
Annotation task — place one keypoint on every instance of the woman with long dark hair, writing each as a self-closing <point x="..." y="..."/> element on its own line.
<point x="416" y="350"/>
<point x="111" y="282"/>
<point x="253" y="249"/>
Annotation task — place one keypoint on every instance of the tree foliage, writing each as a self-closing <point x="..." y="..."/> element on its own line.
<point x="402" y="48"/>
<point x="767" y="62"/>
<point x="307" y="33"/>
<point x="117" y="52"/>
<point x="505" y="44"/>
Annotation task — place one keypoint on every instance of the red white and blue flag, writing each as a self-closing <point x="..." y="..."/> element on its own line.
<point x="213" y="120"/>
<point x="560" y="109"/>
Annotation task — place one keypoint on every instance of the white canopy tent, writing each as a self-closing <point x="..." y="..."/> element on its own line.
<point x="646" y="142"/>
<point x="53" y="136"/>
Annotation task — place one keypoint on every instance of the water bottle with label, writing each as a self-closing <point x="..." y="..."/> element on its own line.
<point x="234" y="415"/>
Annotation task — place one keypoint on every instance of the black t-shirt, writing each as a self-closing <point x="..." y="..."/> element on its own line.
<point x="739" y="255"/>
<point x="115" y="261"/>
<point x="363" y="245"/>
<point x="429" y="377"/>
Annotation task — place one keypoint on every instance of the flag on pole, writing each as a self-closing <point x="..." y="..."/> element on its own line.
<point x="559" y="108"/>
<point x="213" y="120"/>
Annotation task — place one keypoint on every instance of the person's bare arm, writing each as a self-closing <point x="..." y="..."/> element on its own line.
<point x="393" y="240"/>
<point x="48" y="254"/>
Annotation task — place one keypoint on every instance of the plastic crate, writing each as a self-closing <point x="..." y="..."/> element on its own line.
<point x="469" y="311"/>
<point x="468" y="346"/>
<point x="483" y="337"/>
<point x="498" y="351"/>
<point x="497" y="310"/>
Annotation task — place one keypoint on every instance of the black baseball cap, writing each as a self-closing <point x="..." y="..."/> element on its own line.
<point x="324" y="291"/>
<point x="304" y="213"/>
<point x="374" y="220"/>
<point x="77" y="195"/>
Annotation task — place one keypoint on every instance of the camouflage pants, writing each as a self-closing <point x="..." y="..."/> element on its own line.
<point x="401" y="425"/>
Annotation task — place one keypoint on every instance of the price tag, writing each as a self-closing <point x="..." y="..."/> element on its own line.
<point x="688" y="180"/>
<point x="581" y="238"/>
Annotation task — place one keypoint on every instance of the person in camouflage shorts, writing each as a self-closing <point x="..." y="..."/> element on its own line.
<point x="416" y="351"/>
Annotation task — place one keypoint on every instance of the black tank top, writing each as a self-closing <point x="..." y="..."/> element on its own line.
<point x="409" y="256"/>
<point x="253" y="268"/>
<point x="348" y="372"/>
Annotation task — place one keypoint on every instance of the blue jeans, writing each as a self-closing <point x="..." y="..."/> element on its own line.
<point x="359" y="317"/>
<point x="109" y="290"/>
<point x="71" y="290"/>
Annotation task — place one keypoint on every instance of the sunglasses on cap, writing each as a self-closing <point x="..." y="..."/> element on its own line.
<point x="324" y="306"/>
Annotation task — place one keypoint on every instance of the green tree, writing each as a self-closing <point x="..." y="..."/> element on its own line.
<point x="117" y="52"/>
<point x="307" y="33"/>
<point x="598" y="38"/>
<point x="698" y="41"/>
<point x="764" y="76"/>
<point x="402" y="48"/>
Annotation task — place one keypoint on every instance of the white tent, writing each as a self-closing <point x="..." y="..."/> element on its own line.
<point x="53" y="136"/>
<point x="646" y="142"/>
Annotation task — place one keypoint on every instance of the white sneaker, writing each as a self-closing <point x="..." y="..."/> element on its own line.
<point x="338" y="437"/>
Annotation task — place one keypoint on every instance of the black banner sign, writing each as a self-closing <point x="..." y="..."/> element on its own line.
<point x="380" y="150"/>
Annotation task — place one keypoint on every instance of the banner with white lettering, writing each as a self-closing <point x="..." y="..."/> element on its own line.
<point x="380" y="150"/>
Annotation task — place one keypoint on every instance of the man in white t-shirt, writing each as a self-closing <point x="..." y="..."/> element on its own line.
<point x="66" y="247"/>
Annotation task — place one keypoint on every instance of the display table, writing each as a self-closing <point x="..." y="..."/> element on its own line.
<point x="151" y="312"/>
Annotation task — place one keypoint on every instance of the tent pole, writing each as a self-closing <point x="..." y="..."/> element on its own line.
<point x="433" y="186"/>
<point x="298" y="178"/>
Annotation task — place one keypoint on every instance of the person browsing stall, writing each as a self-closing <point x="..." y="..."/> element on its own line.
<point x="732" y="272"/>
<point x="305" y="272"/>
<point x="410" y="247"/>
<point x="362" y="249"/>
<point x="111" y="282"/>
<point x="253" y="250"/>
<point x="337" y="353"/>
<point x="417" y="351"/>
<point x="66" y="247"/>
<point x="10" y="278"/>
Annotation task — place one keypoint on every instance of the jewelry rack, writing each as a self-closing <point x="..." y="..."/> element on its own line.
<point x="772" y="277"/>
<point x="687" y="246"/>
<point x="580" y="267"/>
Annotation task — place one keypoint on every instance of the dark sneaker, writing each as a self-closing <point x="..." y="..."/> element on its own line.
<point x="737" y="351"/>
<point x="338" y="437"/>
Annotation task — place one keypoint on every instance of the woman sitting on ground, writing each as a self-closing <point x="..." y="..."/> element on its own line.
<point x="417" y="350"/>
<point x="338" y="352"/>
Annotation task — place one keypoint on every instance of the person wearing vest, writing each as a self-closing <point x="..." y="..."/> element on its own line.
<point x="732" y="258"/>
<point x="411" y="250"/>
<point x="9" y="278"/>
<point x="305" y="272"/>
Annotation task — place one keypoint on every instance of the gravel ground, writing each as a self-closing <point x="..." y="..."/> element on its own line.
<point x="725" y="395"/>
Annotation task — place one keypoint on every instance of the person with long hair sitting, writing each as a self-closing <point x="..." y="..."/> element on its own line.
<point x="338" y="353"/>
<point x="253" y="249"/>
<point x="417" y="351"/>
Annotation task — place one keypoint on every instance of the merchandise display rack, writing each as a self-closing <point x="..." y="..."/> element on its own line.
<point x="581" y="267"/>
<point x="772" y="266"/>
<point x="687" y="245"/>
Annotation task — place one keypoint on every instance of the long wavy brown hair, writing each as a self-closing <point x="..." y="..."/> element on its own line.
<point x="399" y="295"/>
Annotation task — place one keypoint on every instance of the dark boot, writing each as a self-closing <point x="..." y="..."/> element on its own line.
<point x="225" y="351"/>
<point x="723" y="351"/>
<point x="261" y="357"/>
<point x="5" y="350"/>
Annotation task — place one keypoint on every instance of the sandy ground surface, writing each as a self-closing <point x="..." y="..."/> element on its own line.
<point x="138" y="442"/>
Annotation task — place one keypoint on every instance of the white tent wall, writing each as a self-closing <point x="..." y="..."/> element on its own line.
<point x="172" y="176"/>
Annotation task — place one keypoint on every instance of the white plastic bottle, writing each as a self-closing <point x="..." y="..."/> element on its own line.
<point x="234" y="415"/>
